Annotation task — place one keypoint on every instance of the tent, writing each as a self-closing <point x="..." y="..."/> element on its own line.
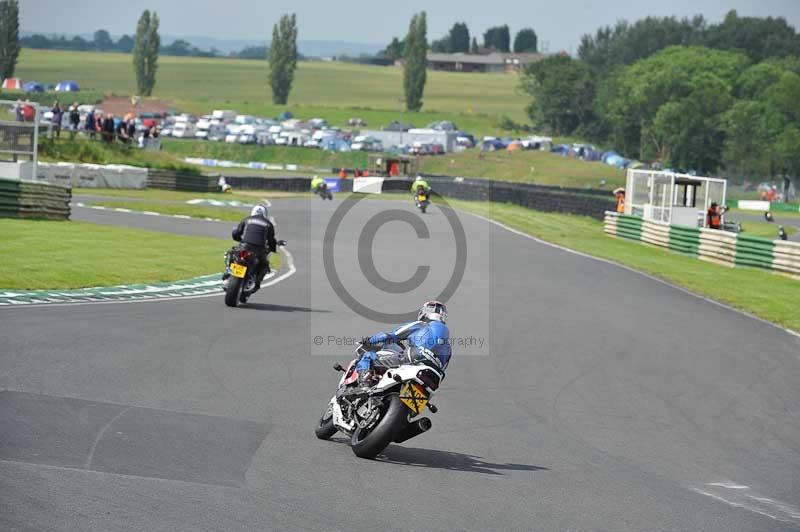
<point x="12" y="84"/>
<point x="561" y="149"/>
<point x="32" y="86"/>
<point x="67" y="86"/>
<point x="514" y="146"/>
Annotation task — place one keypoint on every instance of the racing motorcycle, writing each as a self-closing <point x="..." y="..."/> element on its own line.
<point x="421" y="199"/>
<point x="323" y="192"/>
<point x="239" y="278"/>
<point x="389" y="410"/>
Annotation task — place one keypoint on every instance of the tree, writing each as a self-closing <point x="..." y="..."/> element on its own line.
<point x="498" y="38"/>
<point x="102" y="41"/>
<point x="563" y="92"/>
<point x="526" y="41"/>
<point x="759" y="38"/>
<point x="459" y="38"/>
<point x="283" y="58"/>
<point x="125" y="44"/>
<point x="145" y="53"/>
<point x="626" y="43"/>
<point x="9" y="37"/>
<point x="415" y="68"/>
<point x="395" y="50"/>
<point x="474" y="49"/>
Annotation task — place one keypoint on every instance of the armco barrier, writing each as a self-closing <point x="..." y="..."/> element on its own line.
<point x="537" y="197"/>
<point x="172" y="180"/>
<point x="721" y="247"/>
<point x="26" y="199"/>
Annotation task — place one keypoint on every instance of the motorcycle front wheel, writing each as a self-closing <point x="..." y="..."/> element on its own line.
<point x="369" y="443"/>
<point x="233" y="291"/>
<point x="325" y="429"/>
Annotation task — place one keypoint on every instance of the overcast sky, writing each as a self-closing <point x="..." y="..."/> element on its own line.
<point x="559" y="23"/>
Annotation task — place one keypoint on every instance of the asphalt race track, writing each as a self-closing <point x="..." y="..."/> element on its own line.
<point x="602" y="401"/>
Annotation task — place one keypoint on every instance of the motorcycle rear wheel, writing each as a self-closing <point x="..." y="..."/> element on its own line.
<point x="233" y="291"/>
<point x="369" y="444"/>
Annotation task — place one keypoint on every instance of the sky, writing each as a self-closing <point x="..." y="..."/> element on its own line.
<point x="559" y="24"/>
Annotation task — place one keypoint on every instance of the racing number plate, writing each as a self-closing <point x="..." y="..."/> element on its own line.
<point x="423" y="197"/>
<point x="414" y="397"/>
<point x="238" y="270"/>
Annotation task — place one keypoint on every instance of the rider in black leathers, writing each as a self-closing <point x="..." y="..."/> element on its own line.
<point x="258" y="233"/>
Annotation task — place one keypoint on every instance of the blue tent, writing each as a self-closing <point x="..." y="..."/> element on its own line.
<point x="561" y="149"/>
<point x="286" y="115"/>
<point x="33" y="86"/>
<point x="67" y="86"/>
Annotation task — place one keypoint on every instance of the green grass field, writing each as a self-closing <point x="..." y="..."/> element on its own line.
<point x="334" y="91"/>
<point x="762" y="293"/>
<point x="43" y="254"/>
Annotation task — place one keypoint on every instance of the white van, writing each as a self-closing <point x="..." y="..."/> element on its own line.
<point x="183" y="130"/>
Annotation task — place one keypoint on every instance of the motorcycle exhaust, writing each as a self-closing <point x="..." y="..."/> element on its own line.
<point x="414" y="429"/>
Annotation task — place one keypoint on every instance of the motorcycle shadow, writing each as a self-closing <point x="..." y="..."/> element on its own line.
<point x="279" y="308"/>
<point x="452" y="461"/>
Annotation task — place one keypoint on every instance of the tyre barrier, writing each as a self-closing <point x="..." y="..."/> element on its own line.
<point x="721" y="247"/>
<point x="27" y="199"/>
<point x="171" y="180"/>
<point x="537" y="197"/>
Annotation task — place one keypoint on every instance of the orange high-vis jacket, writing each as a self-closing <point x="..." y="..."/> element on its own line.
<point x="620" y="203"/>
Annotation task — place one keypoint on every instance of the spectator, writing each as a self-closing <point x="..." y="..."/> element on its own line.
<point x="619" y="193"/>
<point x="28" y="112"/>
<point x="131" y="129"/>
<point x="90" y="125"/>
<point x="74" y="119"/>
<point x="122" y="132"/>
<point x="108" y="128"/>
<point x="714" y="217"/>
<point x="18" y="111"/>
<point x="58" y="116"/>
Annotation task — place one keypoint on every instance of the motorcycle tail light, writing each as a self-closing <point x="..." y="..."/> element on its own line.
<point x="244" y="254"/>
<point x="429" y="378"/>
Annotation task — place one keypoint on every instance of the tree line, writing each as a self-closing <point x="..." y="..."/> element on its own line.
<point x="691" y="95"/>
<point x="103" y="42"/>
<point x="458" y="40"/>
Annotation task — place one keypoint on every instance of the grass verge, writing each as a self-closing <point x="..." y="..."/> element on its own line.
<point x="762" y="293"/>
<point x="180" y="209"/>
<point x="83" y="255"/>
<point x="60" y="255"/>
<point x="249" y="196"/>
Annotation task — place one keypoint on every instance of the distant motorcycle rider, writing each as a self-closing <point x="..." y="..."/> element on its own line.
<point x="257" y="233"/>
<point x="317" y="184"/>
<point x="420" y="182"/>
<point x="428" y="341"/>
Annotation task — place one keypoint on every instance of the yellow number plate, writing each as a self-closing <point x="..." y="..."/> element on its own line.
<point x="238" y="270"/>
<point x="423" y="197"/>
<point x="414" y="397"/>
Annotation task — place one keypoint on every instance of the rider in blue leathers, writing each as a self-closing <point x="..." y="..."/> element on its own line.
<point x="428" y="339"/>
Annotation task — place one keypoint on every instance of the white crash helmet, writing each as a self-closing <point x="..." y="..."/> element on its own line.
<point x="259" y="210"/>
<point x="433" y="311"/>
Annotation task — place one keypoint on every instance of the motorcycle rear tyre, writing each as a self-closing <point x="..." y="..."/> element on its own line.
<point x="393" y="421"/>
<point x="233" y="291"/>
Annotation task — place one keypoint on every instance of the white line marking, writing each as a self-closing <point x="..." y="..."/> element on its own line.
<point x="122" y="210"/>
<point x="738" y="505"/>
<point x="100" y="436"/>
<point x="729" y="485"/>
<point x="182" y="216"/>
<point x="151" y="213"/>
<point x="97" y="207"/>
<point x="643" y="274"/>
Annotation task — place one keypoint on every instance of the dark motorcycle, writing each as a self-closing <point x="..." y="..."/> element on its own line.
<point x="239" y="281"/>
<point x="421" y="199"/>
<point x="323" y="192"/>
